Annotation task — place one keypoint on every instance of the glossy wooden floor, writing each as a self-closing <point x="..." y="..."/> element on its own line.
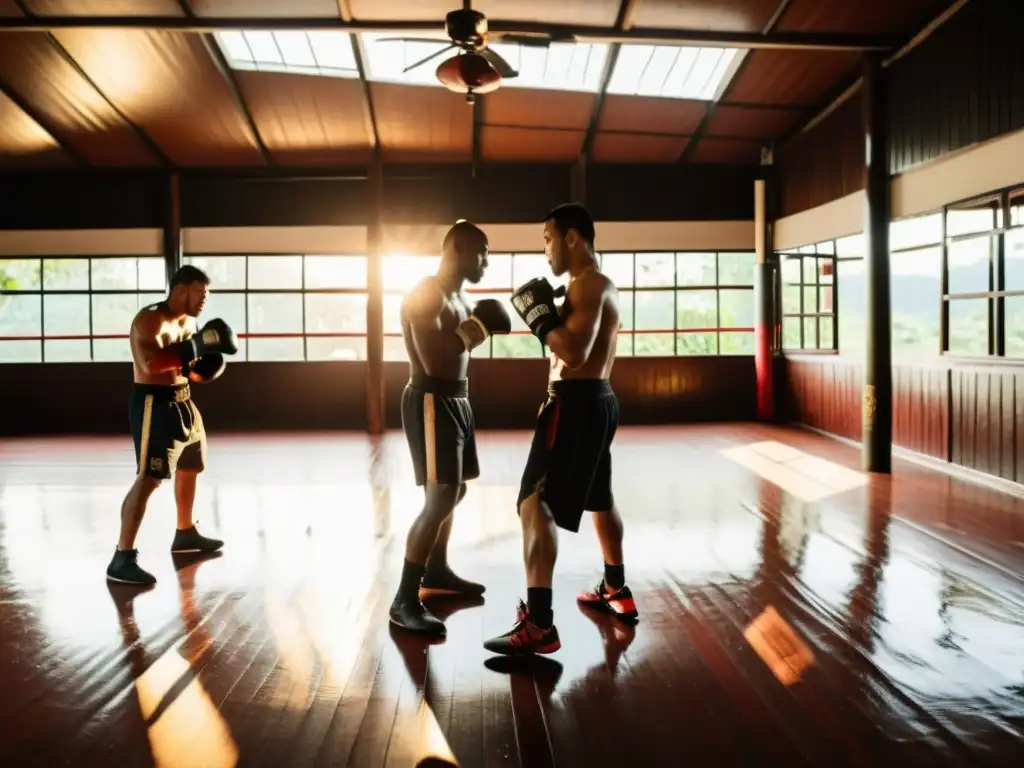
<point x="906" y="594"/>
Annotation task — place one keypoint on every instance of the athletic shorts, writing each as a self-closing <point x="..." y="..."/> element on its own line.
<point x="570" y="461"/>
<point x="438" y="423"/>
<point x="167" y="429"/>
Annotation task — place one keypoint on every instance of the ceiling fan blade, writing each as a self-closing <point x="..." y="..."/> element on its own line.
<point x="502" y="67"/>
<point x="527" y="41"/>
<point x="434" y="40"/>
<point x="423" y="61"/>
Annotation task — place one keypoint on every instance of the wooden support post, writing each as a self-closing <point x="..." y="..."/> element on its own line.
<point x="578" y="180"/>
<point x="764" y="305"/>
<point x="172" y="245"/>
<point x="375" y="422"/>
<point x="877" y="404"/>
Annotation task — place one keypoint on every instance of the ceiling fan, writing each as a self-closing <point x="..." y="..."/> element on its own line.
<point x="476" y="68"/>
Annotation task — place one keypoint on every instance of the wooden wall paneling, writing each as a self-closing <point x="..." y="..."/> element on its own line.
<point x="81" y="200"/>
<point x="1018" y="426"/>
<point x="418" y="123"/>
<point x="630" y="148"/>
<point x="723" y="15"/>
<point x="863" y="17"/>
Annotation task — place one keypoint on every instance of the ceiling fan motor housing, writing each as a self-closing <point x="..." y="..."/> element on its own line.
<point x="468" y="73"/>
<point x="467" y="28"/>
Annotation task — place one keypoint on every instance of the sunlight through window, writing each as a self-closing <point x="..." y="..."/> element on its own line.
<point x="679" y="72"/>
<point x="329" y="53"/>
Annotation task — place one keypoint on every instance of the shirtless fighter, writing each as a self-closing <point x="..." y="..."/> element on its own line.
<point x="569" y="468"/>
<point x="166" y="424"/>
<point x="440" y="331"/>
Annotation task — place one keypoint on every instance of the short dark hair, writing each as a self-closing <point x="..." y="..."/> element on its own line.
<point x="573" y="216"/>
<point x="463" y="235"/>
<point x="187" y="275"/>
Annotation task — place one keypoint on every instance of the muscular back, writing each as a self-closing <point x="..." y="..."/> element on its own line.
<point x="153" y="329"/>
<point x="429" y="319"/>
<point x="596" y="293"/>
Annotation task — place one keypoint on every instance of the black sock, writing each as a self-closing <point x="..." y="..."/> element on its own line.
<point x="538" y="600"/>
<point x="412" y="577"/>
<point x="614" y="576"/>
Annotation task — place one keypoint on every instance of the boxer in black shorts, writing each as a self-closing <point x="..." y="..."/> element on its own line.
<point x="569" y="469"/>
<point x="167" y="355"/>
<point x="440" y="331"/>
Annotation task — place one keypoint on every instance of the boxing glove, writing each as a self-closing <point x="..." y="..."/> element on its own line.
<point x="207" y="368"/>
<point x="215" y="337"/>
<point x="535" y="303"/>
<point x="488" y="318"/>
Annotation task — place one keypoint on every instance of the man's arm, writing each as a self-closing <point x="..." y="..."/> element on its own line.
<point x="423" y="309"/>
<point x="574" y="340"/>
<point x="148" y="344"/>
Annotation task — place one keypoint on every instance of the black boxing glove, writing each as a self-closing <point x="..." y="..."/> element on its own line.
<point x="489" y="317"/>
<point x="207" y="368"/>
<point x="215" y="337"/>
<point x="535" y="303"/>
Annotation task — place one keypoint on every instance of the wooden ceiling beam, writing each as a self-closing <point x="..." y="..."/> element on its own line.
<point x="623" y="22"/>
<point x="43" y="123"/>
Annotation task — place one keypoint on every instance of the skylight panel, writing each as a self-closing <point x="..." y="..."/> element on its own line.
<point x="681" y="72"/>
<point x="319" y="53"/>
<point x="558" y="66"/>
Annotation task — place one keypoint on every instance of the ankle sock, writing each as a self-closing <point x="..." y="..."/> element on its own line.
<point x="412" y="577"/>
<point x="614" y="576"/>
<point x="538" y="600"/>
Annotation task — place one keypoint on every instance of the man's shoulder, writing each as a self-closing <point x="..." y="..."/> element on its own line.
<point x="150" y="318"/>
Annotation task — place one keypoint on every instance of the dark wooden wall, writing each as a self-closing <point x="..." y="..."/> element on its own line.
<point x="969" y="413"/>
<point x="413" y="194"/>
<point x="93" y="397"/>
<point x="962" y="85"/>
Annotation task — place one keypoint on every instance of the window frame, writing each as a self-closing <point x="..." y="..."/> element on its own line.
<point x="817" y="255"/>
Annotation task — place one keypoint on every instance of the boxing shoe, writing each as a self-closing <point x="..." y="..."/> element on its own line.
<point x="124" y="569"/>
<point x="441" y="581"/>
<point x="412" y="615"/>
<point x="525" y="637"/>
<point x="191" y="540"/>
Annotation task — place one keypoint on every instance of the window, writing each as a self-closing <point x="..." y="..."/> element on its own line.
<point x="290" y="306"/>
<point x="972" y="263"/>
<point x="74" y="309"/>
<point x="668" y="71"/>
<point x="808" y="312"/>
<point x="669" y="303"/>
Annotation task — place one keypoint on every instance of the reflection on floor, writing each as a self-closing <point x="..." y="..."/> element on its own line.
<point x="793" y="611"/>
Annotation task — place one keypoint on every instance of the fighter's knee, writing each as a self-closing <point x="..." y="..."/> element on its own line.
<point x="145" y="485"/>
<point x="441" y="499"/>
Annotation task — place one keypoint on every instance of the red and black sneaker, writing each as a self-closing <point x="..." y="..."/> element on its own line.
<point x="619" y="603"/>
<point x="525" y="637"/>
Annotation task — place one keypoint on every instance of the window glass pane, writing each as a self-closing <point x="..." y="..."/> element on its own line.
<point x="393" y="312"/>
<point x="736" y="309"/>
<point x="810" y="300"/>
<point x="825" y="299"/>
<point x="21" y="352"/>
<point x="402" y="272"/>
<point x="968" y="327"/>
<point x="1017" y="207"/>
<point x="791" y="269"/>
<point x="1015" y="260"/>
<point x="115" y="274"/>
<point x="790" y="299"/>
<point x="334" y="348"/>
<point x="736" y="268"/>
<point x="68" y="351"/>
<point x="394" y="349"/>
<point x="275" y="272"/>
<point x="619" y="268"/>
<point x="791" y="333"/>
<point x="111" y="351"/>
<point x="695" y="269"/>
<point x="624" y="345"/>
<point x="335" y="313"/>
<point x="851" y="312"/>
<point x="971" y="217"/>
<point x="697" y="343"/>
<point x="810" y="333"/>
<point x="736" y="343"/>
<point x="968" y="265"/>
<point x="654" y="310"/>
<point x="19" y="274"/>
<point x="825" y="325"/>
<point x="149" y="299"/>
<point x="828" y="247"/>
<point x="484" y="350"/>
<point x="227" y="273"/>
<point x="498" y="274"/>
<point x="274" y="313"/>
<point x="1014" y="326"/>
<point x="526" y="266"/>
<point x="287" y="348"/>
<point x="809" y="270"/>
<point x="655" y="344"/>
<point x="915" y="232"/>
<point x="66" y="315"/>
<point x="625" y="310"/>
<point x="694" y="309"/>
<point x="657" y="270"/>
<point x="850" y="247"/>
<point x="112" y="314"/>
<point x="335" y="272"/>
<point x="66" y="274"/>
<point x="21" y="315"/>
<point x="825" y="270"/>
<point x="229" y="307"/>
<point x="152" y="273"/>
<point x="916" y="308"/>
<point x="525" y="345"/>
